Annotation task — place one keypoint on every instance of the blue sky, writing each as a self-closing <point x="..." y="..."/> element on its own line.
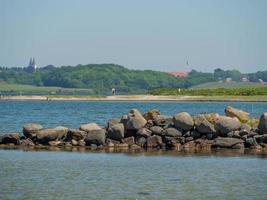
<point x="140" y="34"/>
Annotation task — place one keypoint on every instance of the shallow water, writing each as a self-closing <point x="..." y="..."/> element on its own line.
<point x="70" y="175"/>
<point x="14" y="114"/>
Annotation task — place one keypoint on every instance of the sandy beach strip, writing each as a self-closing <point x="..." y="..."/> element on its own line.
<point x="138" y="98"/>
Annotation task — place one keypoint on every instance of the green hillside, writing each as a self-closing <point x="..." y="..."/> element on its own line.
<point x="101" y="78"/>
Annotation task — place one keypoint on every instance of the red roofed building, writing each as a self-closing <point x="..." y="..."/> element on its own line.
<point x="178" y="74"/>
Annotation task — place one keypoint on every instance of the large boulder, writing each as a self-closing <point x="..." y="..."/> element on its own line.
<point x="240" y="114"/>
<point x="75" y="134"/>
<point x="225" y="125"/>
<point x="151" y="114"/>
<point x="96" y="137"/>
<point x="116" y="132"/>
<point x="135" y="120"/>
<point x="163" y="121"/>
<point x="183" y="121"/>
<point x="50" y="134"/>
<point x="154" y="141"/>
<point x="12" y="138"/>
<point x="172" y="132"/>
<point x="90" y="127"/>
<point x="225" y="142"/>
<point x="30" y="130"/>
<point x="263" y="124"/>
<point x="203" y="125"/>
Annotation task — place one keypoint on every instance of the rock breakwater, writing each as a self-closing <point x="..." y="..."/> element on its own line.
<point x="134" y="130"/>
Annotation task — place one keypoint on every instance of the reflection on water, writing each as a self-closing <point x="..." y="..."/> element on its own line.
<point x="144" y="175"/>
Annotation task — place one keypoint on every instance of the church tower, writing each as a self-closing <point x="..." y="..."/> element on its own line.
<point x="32" y="66"/>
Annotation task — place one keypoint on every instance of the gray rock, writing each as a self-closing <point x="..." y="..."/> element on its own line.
<point x="96" y="137"/>
<point x="75" y="134"/>
<point x="135" y="120"/>
<point x="250" y="142"/>
<point x="141" y="141"/>
<point x="183" y="121"/>
<point x="129" y="140"/>
<point x="156" y="130"/>
<point x="12" y="138"/>
<point x="203" y="125"/>
<point x="225" y="142"/>
<point x="225" y="125"/>
<point x="172" y="132"/>
<point x="116" y="132"/>
<point x="144" y="132"/>
<point x="112" y="122"/>
<point x="50" y="134"/>
<point x="154" y="141"/>
<point x="261" y="138"/>
<point x="30" y="130"/>
<point x="90" y="127"/>
<point x="163" y="121"/>
<point x="27" y="142"/>
<point x="263" y="124"/>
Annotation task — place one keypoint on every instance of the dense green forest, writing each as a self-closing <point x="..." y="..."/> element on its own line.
<point x="102" y="77"/>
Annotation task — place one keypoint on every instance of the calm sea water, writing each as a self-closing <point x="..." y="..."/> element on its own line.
<point x="88" y="175"/>
<point x="69" y="175"/>
<point x="14" y="114"/>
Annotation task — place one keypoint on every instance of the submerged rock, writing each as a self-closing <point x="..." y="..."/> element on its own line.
<point x="30" y="130"/>
<point x="240" y="114"/>
<point x="183" y="121"/>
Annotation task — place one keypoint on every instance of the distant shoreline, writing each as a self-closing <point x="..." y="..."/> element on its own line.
<point x="139" y="98"/>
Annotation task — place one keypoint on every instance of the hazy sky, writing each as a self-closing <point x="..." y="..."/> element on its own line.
<point x="141" y="34"/>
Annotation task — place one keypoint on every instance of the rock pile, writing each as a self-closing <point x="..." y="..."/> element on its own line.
<point x="153" y="130"/>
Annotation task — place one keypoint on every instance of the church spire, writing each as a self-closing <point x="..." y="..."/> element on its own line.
<point x="30" y="63"/>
